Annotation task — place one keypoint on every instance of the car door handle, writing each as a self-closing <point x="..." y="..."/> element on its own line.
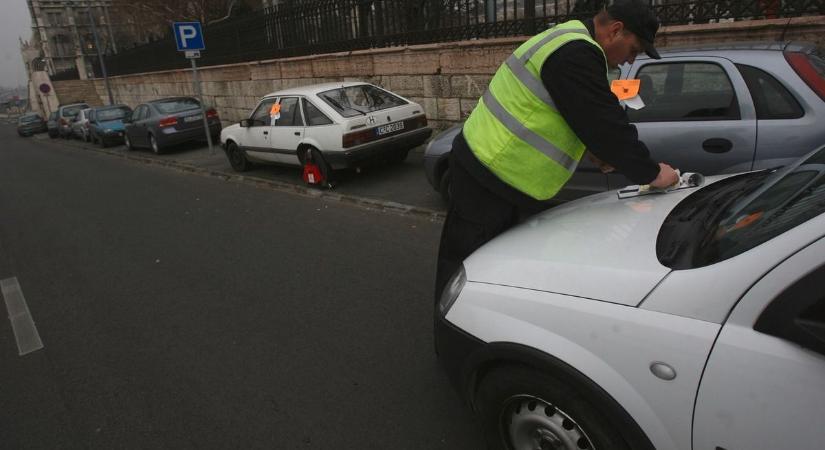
<point x="266" y="132"/>
<point x="297" y="133"/>
<point x="717" y="145"/>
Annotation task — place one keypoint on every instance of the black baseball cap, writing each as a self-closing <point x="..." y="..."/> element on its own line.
<point x="639" y="19"/>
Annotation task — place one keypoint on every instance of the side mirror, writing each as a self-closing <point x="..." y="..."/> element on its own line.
<point x="246" y="123"/>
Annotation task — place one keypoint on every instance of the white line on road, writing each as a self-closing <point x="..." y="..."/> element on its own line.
<point x="25" y="333"/>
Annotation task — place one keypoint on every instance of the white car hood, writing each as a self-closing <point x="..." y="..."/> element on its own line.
<point x="597" y="247"/>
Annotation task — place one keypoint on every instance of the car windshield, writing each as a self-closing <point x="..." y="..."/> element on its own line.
<point x="177" y="105"/>
<point x="112" y="114"/>
<point x="739" y="213"/>
<point x="29" y="119"/>
<point x="358" y="100"/>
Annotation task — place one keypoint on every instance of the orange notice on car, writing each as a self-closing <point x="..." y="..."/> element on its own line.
<point x="625" y="89"/>
<point x="275" y="110"/>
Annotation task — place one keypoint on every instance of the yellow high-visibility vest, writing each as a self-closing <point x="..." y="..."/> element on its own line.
<point x="516" y="131"/>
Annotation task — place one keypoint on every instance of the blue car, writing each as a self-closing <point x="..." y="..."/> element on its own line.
<point x="106" y="124"/>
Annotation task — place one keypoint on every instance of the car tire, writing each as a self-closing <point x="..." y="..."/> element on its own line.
<point x="127" y="142"/>
<point x="520" y="407"/>
<point x="444" y="186"/>
<point x="237" y="158"/>
<point x="153" y="143"/>
<point x="102" y="141"/>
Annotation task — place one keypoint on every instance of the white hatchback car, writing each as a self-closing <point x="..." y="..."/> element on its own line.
<point x="348" y="124"/>
<point x="693" y="319"/>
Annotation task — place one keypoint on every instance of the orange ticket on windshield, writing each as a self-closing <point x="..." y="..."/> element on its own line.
<point x="625" y="89"/>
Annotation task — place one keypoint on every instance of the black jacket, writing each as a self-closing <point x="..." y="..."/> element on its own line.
<point x="575" y="77"/>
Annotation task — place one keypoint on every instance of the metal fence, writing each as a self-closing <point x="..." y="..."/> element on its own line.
<point x="323" y="26"/>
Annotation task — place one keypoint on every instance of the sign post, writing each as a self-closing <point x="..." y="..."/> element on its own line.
<point x="189" y="39"/>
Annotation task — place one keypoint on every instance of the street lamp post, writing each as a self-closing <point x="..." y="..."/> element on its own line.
<point x="100" y="55"/>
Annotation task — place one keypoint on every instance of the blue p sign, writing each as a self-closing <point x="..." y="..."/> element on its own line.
<point x="188" y="36"/>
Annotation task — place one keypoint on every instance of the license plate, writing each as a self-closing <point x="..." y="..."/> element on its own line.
<point x="192" y="118"/>
<point x="389" y="128"/>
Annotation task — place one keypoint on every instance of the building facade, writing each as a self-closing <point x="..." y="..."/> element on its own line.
<point x="62" y="30"/>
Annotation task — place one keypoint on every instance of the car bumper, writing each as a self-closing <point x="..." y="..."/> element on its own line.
<point x="453" y="348"/>
<point x="354" y="157"/>
<point x="173" y="137"/>
<point x="113" y="136"/>
<point x="30" y="130"/>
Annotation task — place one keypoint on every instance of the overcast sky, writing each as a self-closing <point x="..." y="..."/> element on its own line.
<point x="14" y="22"/>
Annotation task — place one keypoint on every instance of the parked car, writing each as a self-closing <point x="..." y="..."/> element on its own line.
<point x="685" y="320"/>
<point x="80" y="125"/>
<point x="29" y="124"/>
<point x="346" y="125"/>
<point x="65" y="115"/>
<point x="106" y="124"/>
<point x="713" y="109"/>
<point x="53" y="126"/>
<point x="160" y="124"/>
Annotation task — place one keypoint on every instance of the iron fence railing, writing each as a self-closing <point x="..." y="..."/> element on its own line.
<point x="323" y="26"/>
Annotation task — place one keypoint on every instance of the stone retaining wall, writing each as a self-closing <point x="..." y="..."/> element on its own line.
<point x="446" y="79"/>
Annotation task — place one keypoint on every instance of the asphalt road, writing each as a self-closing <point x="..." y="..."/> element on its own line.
<point x="180" y="311"/>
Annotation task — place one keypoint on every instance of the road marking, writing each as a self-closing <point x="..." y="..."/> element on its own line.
<point x="25" y="333"/>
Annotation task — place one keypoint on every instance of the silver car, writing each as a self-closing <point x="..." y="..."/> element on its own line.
<point x="80" y="125"/>
<point x="685" y="320"/>
<point x="166" y="122"/>
<point x="713" y="110"/>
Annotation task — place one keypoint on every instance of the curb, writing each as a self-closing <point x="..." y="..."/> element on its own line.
<point x="281" y="186"/>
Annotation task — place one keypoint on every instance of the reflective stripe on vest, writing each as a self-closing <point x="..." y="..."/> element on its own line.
<point x="516" y="130"/>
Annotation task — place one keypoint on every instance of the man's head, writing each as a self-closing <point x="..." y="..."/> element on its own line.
<point x="624" y="30"/>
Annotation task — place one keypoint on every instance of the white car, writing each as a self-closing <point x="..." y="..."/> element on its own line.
<point x="693" y="319"/>
<point x="80" y="125"/>
<point x="343" y="124"/>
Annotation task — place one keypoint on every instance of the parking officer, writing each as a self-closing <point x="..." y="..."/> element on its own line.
<point x="547" y="105"/>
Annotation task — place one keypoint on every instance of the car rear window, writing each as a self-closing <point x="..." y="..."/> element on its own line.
<point x="111" y="114"/>
<point x="72" y="111"/>
<point x="770" y="97"/>
<point x="177" y="105"/>
<point x="358" y="100"/>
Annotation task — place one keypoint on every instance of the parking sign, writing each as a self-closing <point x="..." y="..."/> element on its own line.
<point x="188" y="36"/>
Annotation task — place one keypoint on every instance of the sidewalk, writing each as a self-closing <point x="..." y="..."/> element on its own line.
<point x="399" y="187"/>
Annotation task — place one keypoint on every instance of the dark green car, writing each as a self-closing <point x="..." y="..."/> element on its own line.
<point x="29" y="124"/>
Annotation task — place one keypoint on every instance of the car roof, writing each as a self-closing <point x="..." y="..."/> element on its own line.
<point x="170" y="99"/>
<point x="315" y="88"/>
<point x="726" y="49"/>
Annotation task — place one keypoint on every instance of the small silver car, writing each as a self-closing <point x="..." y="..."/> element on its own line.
<point x="685" y="320"/>
<point x="713" y="110"/>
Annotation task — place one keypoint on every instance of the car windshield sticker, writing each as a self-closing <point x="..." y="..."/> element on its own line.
<point x="627" y="91"/>
<point x="275" y="112"/>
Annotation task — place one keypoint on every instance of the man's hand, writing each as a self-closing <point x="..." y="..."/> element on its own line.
<point x="603" y="166"/>
<point x="667" y="177"/>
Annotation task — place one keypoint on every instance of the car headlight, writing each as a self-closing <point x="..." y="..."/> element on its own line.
<point x="451" y="291"/>
<point x="108" y="131"/>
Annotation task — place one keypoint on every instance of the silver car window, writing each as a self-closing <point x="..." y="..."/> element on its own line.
<point x="685" y="92"/>
<point x="770" y="97"/>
